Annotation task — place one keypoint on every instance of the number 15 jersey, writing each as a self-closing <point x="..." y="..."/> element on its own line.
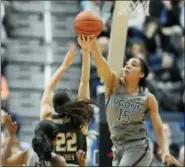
<point x="69" y="141"/>
<point x="126" y="113"/>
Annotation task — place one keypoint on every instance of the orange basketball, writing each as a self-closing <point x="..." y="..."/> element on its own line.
<point x="88" y="23"/>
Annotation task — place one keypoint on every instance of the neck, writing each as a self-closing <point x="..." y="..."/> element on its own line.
<point x="131" y="87"/>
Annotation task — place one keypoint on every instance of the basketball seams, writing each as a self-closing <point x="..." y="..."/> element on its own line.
<point x="88" y="30"/>
<point x="88" y="23"/>
<point x="80" y="31"/>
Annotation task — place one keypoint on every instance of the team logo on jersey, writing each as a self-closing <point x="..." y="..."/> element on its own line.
<point x="129" y="105"/>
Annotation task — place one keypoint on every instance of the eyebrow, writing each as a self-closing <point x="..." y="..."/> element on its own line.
<point x="135" y="62"/>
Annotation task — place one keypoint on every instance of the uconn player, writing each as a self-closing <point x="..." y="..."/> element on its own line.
<point x="128" y="101"/>
<point x="55" y="105"/>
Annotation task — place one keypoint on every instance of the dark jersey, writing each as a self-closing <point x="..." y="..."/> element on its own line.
<point x="69" y="141"/>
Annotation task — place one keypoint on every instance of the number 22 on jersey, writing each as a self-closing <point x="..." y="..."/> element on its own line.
<point x="66" y="142"/>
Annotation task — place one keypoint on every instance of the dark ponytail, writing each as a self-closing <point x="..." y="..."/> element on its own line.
<point x="42" y="145"/>
<point x="45" y="132"/>
<point x="145" y="70"/>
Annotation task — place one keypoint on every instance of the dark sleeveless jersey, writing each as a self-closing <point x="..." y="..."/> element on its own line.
<point x="69" y="141"/>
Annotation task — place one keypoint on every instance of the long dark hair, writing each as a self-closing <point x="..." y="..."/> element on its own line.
<point x="45" y="132"/>
<point x="145" y="70"/>
<point x="79" y="111"/>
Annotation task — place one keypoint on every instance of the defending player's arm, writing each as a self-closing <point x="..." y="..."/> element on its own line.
<point x="110" y="78"/>
<point x="83" y="91"/>
<point x="159" y="131"/>
<point x="46" y="102"/>
<point x="17" y="159"/>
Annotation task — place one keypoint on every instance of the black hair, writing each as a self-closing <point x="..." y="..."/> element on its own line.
<point x="45" y="132"/>
<point x="61" y="97"/>
<point x="145" y="70"/>
<point x="79" y="111"/>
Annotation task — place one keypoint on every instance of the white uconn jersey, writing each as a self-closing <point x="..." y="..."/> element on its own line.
<point x="126" y="113"/>
<point x="33" y="160"/>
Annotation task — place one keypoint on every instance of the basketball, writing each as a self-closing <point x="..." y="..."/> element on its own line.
<point x="88" y="23"/>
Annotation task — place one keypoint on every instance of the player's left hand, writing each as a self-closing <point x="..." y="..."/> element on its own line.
<point x="68" y="60"/>
<point x="169" y="159"/>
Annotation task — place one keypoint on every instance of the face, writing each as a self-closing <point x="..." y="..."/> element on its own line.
<point x="132" y="70"/>
<point x="84" y="129"/>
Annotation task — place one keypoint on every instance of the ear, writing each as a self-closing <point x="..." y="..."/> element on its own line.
<point x="142" y="75"/>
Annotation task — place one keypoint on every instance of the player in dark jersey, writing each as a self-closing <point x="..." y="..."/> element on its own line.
<point x="128" y="100"/>
<point x="72" y="120"/>
<point x="40" y="155"/>
<point x="73" y="126"/>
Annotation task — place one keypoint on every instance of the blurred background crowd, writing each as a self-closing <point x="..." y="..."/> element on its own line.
<point x="35" y="37"/>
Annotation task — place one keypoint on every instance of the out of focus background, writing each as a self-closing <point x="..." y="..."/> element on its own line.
<point x="35" y="36"/>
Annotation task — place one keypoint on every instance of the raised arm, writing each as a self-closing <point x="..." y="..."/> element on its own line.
<point x="83" y="91"/>
<point x="46" y="105"/>
<point x="159" y="131"/>
<point x="19" y="159"/>
<point x="110" y="78"/>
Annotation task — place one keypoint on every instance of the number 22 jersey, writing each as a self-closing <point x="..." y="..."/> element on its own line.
<point x="68" y="141"/>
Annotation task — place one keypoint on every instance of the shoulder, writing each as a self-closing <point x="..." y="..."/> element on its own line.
<point x="114" y="85"/>
<point x="151" y="96"/>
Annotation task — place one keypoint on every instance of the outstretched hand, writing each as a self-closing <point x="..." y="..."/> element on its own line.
<point x="85" y="42"/>
<point x="169" y="159"/>
<point x="68" y="60"/>
<point x="10" y="125"/>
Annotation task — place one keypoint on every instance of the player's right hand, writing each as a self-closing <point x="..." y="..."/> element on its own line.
<point x="68" y="60"/>
<point x="10" y="125"/>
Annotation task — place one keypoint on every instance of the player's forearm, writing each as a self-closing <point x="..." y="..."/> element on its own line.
<point x="6" y="151"/>
<point x="49" y="89"/>
<point x="57" y="77"/>
<point x="47" y="98"/>
<point x="102" y="66"/>
<point x="83" y="91"/>
<point x="162" y="141"/>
